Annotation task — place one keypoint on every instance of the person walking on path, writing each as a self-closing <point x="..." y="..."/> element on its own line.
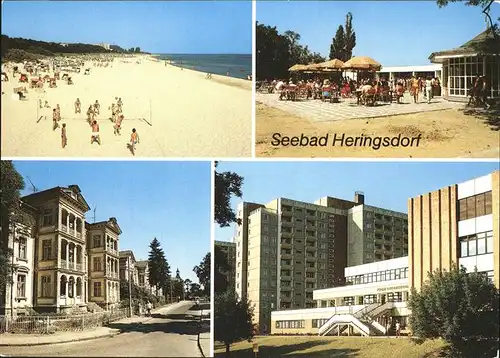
<point x="149" y="307"/>
<point x="398" y="329"/>
<point x="428" y="89"/>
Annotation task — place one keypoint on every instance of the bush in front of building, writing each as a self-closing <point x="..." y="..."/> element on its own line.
<point x="460" y="307"/>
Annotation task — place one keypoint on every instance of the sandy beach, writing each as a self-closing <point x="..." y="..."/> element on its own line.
<point x="190" y="116"/>
<point x="445" y="134"/>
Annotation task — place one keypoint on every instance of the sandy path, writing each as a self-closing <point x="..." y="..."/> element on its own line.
<point x="190" y="116"/>
<point x="445" y="134"/>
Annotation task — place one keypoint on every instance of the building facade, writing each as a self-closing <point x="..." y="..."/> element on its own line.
<point x="143" y="275"/>
<point x="229" y="249"/>
<point x="455" y="225"/>
<point x="128" y="268"/>
<point x="478" y="57"/>
<point x="103" y="260"/>
<point x="17" y="298"/>
<point x="286" y="249"/>
<point x="60" y="267"/>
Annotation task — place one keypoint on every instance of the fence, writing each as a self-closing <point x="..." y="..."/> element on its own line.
<point x="41" y="324"/>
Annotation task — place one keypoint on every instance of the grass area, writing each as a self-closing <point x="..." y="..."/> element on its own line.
<point x="314" y="346"/>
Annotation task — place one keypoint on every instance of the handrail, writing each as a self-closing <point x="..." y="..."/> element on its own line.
<point x="351" y="319"/>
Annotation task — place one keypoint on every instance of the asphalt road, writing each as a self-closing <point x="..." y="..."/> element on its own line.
<point x="167" y="334"/>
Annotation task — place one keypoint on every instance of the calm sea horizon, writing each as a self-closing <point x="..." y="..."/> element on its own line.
<point x="233" y="65"/>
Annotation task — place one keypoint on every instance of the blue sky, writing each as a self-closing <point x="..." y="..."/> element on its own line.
<point x="166" y="200"/>
<point x="386" y="184"/>
<point x="395" y="33"/>
<point x="155" y="26"/>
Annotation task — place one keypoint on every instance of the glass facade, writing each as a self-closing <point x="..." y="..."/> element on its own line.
<point x="290" y="324"/>
<point x="460" y="72"/>
<point x="477" y="244"/>
<point x="380" y="276"/>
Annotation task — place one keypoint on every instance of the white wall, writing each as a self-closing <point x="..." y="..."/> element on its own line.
<point x="400" y="262"/>
<point x="482" y="262"/>
<point x="474" y="187"/>
<point x="475" y="225"/>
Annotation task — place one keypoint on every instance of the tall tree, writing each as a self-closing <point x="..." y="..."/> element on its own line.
<point x="203" y="272"/>
<point x="338" y="46"/>
<point x="227" y="184"/>
<point x="460" y="307"/>
<point x="232" y="319"/>
<point x="11" y="185"/>
<point x="187" y="287"/>
<point x="221" y="268"/>
<point x="350" y="37"/>
<point x="159" y="269"/>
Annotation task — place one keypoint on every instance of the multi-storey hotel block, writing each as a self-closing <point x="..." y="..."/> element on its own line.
<point x="61" y="262"/>
<point x="287" y="249"/>
<point x="455" y="225"/>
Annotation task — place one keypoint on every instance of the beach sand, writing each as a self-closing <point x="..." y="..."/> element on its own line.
<point x="190" y="115"/>
<point x="445" y="134"/>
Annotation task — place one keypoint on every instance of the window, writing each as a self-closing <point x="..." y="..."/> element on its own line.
<point x="97" y="264"/>
<point x="47" y="217"/>
<point x="46" y="250"/>
<point x="316" y="323"/>
<point x="290" y="324"/>
<point x="46" y="286"/>
<point x="22" y="248"/>
<point x="478" y="244"/>
<point x="97" y="289"/>
<point x="475" y="206"/>
<point x="21" y="286"/>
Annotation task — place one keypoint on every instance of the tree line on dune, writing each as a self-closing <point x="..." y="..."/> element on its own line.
<point x="18" y="49"/>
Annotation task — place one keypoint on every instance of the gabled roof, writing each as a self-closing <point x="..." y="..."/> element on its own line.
<point x="111" y="224"/>
<point x="71" y="193"/>
<point x="127" y="253"/>
<point x="487" y="42"/>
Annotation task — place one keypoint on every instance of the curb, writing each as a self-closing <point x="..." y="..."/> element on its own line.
<point x="199" y="346"/>
<point x="108" y="335"/>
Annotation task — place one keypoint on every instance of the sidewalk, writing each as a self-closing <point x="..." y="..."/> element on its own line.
<point x="9" y="339"/>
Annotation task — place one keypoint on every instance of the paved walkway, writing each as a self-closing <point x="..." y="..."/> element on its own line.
<point x="319" y="111"/>
<point x="8" y="339"/>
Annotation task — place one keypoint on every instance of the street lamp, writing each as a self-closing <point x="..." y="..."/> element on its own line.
<point x="129" y="288"/>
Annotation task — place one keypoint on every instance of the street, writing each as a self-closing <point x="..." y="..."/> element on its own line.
<point x="166" y="334"/>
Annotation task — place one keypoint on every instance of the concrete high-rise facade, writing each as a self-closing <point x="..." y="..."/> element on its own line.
<point x="458" y="224"/>
<point x="286" y="249"/>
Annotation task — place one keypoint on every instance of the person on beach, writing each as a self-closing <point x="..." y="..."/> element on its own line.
<point x="40" y="104"/>
<point x="46" y="105"/>
<point x="113" y="112"/>
<point x="95" y="133"/>
<point x="118" y="124"/>
<point x="78" y="106"/>
<point x="134" y="138"/>
<point x="58" y="110"/>
<point x="64" y="139"/>
<point x="119" y="104"/>
<point x="54" y="120"/>
<point x="209" y="75"/>
<point x="90" y="114"/>
<point x="97" y="107"/>
<point x="414" y="88"/>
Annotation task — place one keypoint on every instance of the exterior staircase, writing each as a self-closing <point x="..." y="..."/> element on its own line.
<point x="362" y="321"/>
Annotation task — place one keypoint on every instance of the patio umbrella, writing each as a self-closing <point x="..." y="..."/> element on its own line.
<point x="362" y="63"/>
<point x="297" y="67"/>
<point x="332" y="64"/>
<point x="313" y="67"/>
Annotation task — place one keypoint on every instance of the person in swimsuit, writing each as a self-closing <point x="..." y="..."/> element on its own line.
<point x="90" y="115"/>
<point x="78" y="106"/>
<point x="414" y="88"/>
<point x="58" y="110"/>
<point x="118" y="124"/>
<point x="95" y="133"/>
<point x="134" y="138"/>
<point x="64" y="139"/>
<point x="97" y="107"/>
<point x="54" y="119"/>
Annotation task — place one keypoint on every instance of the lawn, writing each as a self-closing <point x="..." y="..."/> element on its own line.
<point x="314" y="346"/>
